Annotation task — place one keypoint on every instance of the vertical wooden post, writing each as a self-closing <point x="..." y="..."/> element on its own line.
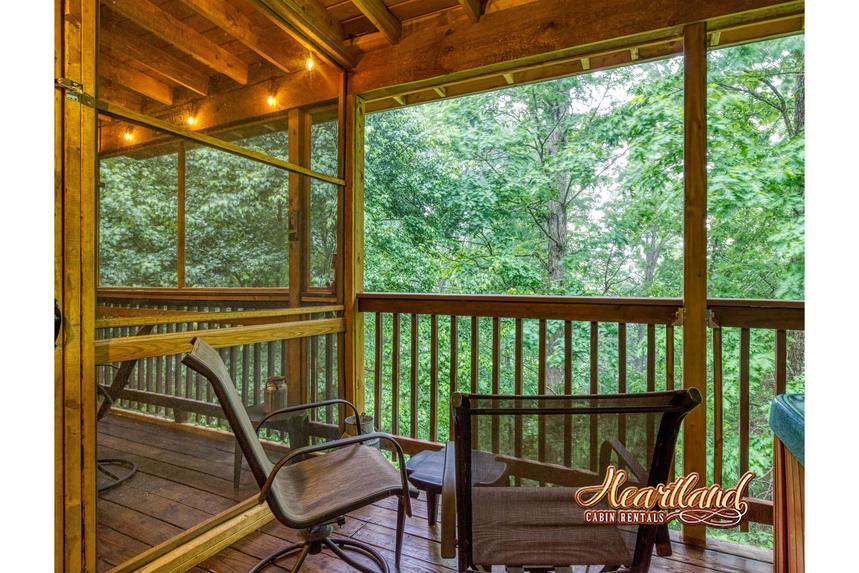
<point x="75" y="231"/>
<point x="180" y="215"/>
<point x="299" y="153"/>
<point x="353" y="251"/>
<point x="695" y="252"/>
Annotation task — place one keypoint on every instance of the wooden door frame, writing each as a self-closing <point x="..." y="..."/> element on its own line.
<point x="75" y="148"/>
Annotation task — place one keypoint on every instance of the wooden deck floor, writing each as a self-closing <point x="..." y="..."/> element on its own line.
<point x="186" y="476"/>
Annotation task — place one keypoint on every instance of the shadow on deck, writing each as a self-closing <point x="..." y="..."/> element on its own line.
<point x="185" y="476"/>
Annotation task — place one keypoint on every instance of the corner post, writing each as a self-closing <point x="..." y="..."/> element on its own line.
<point x="354" y="252"/>
<point x="298" y="230"/>
<point x="695" y="253"/>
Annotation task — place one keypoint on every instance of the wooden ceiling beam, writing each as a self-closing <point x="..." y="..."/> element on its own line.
<point x="134" y="80"/>
<point x="473" y="8"/>
<point x="150" y="17"/>
<point x="231" y="20"/>
<point x="311" y="24"/>
<point x="223" y="112"/>
<point x="381" y="17"/>
<point x="447" y="44"/>
<point x="122" y="47"/>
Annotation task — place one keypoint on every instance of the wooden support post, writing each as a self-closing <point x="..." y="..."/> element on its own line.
<point x="180" y="215"/>
<point x="299" y="189"/>
<point x="353" y="252"/>
<point x="695" y="253"/>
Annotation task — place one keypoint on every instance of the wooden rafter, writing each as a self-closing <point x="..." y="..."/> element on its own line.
<point x="381" y="17"/>
<point x="135" y="80"/>
<point x="150" y="17"/>
<point x="473" y="8"/>
<point x="312" y="26"/>
<point x="115" y="39"/>
<point x="230" y="19"/>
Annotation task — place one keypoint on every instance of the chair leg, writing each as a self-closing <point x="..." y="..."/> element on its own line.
<point x="401" y="525"/>
<point x="337" y="545"/>
<point x="663" y="541"/>
<point x="299" y="561"/>
<point x="432" y="505"/>
<point x="280" y="553"/>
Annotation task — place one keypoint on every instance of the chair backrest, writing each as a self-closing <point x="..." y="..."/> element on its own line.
<point x="120" y="379"/>
<point x="206" y="360"/>
<point x="551" y="446"/>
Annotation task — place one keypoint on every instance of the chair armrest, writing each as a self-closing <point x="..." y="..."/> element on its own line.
<point x="448" y="504"/>
<point x="625" y="456"/>
<point x="339" y="444"/>
<point x="313" y="405"/>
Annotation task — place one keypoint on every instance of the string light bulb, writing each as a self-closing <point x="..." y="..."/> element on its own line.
<point x="272" y="101"/>
<point x="128" y="135"/>
<point x="309" y="63"/>
<point x="191" y="119"/>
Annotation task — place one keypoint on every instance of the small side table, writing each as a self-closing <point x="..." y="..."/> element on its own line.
<point x="295" y="425"/>
<point x="425" y="470"/>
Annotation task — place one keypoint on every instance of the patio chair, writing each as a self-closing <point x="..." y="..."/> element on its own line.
<point x="306" y="490"/>
<point x="552" y="446"/>
<point x="114" y="471"/>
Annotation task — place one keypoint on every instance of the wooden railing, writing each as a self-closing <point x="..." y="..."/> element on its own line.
<point x="420" y="348"/>
<point x="252" y="334"/>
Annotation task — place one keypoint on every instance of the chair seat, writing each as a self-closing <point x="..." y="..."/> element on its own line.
<point x="324" y="487"/>
<point x="541" y="526"/>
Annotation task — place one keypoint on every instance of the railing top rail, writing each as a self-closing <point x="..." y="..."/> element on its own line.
<point x="523" y="298"/>
<point x="745" y="313"/>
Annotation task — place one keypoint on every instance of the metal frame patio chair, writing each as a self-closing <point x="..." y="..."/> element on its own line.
<point x="306" y="490"/>
<point x="554" y="445"/>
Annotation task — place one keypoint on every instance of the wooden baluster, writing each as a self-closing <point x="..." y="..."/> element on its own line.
<point x="257" y="373"/>
<point x="669" y="357"/>
<point x="454" y="367"/>
<point x="718" y="440"/>
<point x="284" y="366"/>
<point x="395" y="376"/>
<point x="475" y="349"/>
<point x="314" y="375"/>
<point x="246" y="373"/>
<point x="568" y="389"/>
<point x="594" y="389"/>
<point x="496" y="359"/>
<point x="150" y="381"/>
<point x="541" y="389"/>
<point x="329" y="376"/>
<point x="413" y="393"/>
<point x="745" y="342"/>
<point x="621" y="378"/>
<point x="377" y="383"/>
<point x="651" y="382"/>
<point x="669" y="373"/>
<point x="780" y="361"/>
<point x="169" y="374"/>
<point x="159" y="372"/>
<point x="518" y="390"/>
<point x="433" y="428"/>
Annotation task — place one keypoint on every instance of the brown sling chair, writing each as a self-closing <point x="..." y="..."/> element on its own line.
<point x="305" y="490"/>
<point x="114" y="471"/>
<point x="554" y="445"/>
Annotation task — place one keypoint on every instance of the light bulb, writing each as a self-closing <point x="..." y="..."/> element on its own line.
<point x="128" y="135"/>
<point x="309" y="63"/>
<point x="191" y="120"/>
<point x="272" y="101"/>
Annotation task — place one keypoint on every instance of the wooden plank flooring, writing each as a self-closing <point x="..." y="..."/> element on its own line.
<point x="185" y="476"/>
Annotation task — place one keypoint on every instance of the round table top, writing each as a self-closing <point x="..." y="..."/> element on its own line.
<point x="426" y="469"/>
